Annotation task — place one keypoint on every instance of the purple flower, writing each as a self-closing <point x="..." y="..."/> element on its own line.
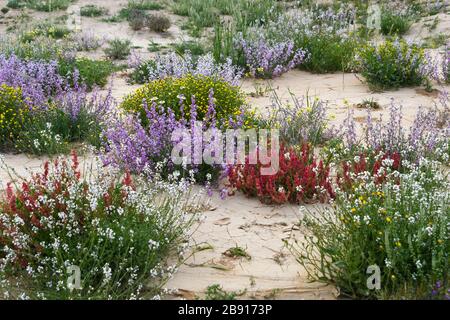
<point x="268" y="59"/>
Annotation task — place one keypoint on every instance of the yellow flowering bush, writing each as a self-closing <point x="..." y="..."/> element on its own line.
<point x="177" y="93"/>
<point x="13" y="114"/>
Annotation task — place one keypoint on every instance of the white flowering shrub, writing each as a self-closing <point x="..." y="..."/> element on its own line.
<point x="401" y="225"/>
<point x="118" y="230"/>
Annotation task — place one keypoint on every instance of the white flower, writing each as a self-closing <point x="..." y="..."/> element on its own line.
<point x="419" y="264"/>
<point x="107" y="273"/>
<point x="153" y="244"/>
<point x="388" y="263"/>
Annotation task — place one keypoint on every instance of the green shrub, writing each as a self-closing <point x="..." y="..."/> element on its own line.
<point x="144" y="5"/>
<point x="216" y="292"/>
<point x="119" y="236"/>
<point x="137" y="19"/>
<point x="194" y="47"/>
<point x="40" y="48"/>
<point x="14" y="114"/>
<point x="158" y="23"/>
<point x="50" y="5"/>
<point x="228" y="98"/>
<point x="91" y="72"/>
<point x="118" y="49"/>
<point x="393" y="64"/>
<point x="15" y="4"/>
<point x="40" y="138"/>
<point x="328" y="52"/>
<point x="400" y="225"/>
<point x="48" y="30"/>
<point x="92" y="10"/>
<point x="141" y="5"/>
<point x="393" y="23"/>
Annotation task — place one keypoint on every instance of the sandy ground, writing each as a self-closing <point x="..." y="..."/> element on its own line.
<point x="272" y="271"/>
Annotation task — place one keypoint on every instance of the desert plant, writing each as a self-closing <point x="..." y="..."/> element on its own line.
<point x="89" y="72"/>
<point x="144" y="5"/>
<point x="88" y="220"/>
<point x="300" y="178"/>
<point x="40" y="48"/>
<point x="49" y="30"/>
<point x="299" y="121"/>
<point x="137" y="19"/>
<point x="87" y="41"/>
<point x="92" y="10"/>
<point x="198" y="89"/>
<point x="216" y="292"/>
<point x="327" y="52"/>
<point x="14" y="114"/>
<point x="400" y="226"/>
<point x="50" y="5"/>
<point x="118" y="49"/>
<point x="15" y="4"/>
<point x="158" y="22"/>
<point x="174" y="65"/>
<point x="392" y="64"/>
<point x="394" y="23"/>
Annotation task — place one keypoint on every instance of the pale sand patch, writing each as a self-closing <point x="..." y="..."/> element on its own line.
<point x="272" y="271"/>
<point x="341" y="91"/>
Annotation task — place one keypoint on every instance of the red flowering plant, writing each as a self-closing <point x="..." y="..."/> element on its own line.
<point x="301" y="178"/>
<point x="376" y="164"/>
<point x="117" y="234"/>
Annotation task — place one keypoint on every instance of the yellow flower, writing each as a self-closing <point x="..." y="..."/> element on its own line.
<point x="389" y="220"/>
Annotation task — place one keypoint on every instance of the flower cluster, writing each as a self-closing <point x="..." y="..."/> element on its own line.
<point x="179" y="94"/>
<point x="299" y="120"/>
<point x="14" y="114"/>
<point x="38" y="80"/>
<point x="300" y="178"/>
<point x="392" y="64"/>
<point x="135" y="144"/>
<point x="266" y="60"/>
<point x="378" y="165"/>
<point x="57" y="112"/>
<point x="400" y="227"/>
<point x="177" y="66"/>
<point x="428" y="135"/>
<point x="86" y="41"/>
<point x="117" y="234"/>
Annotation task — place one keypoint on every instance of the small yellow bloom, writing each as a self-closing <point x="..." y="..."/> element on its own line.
<point x="389" y="220"/>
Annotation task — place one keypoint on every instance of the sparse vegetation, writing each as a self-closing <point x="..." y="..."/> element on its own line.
<point x="158" y="22"/>
<point x="118" y="49"/>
